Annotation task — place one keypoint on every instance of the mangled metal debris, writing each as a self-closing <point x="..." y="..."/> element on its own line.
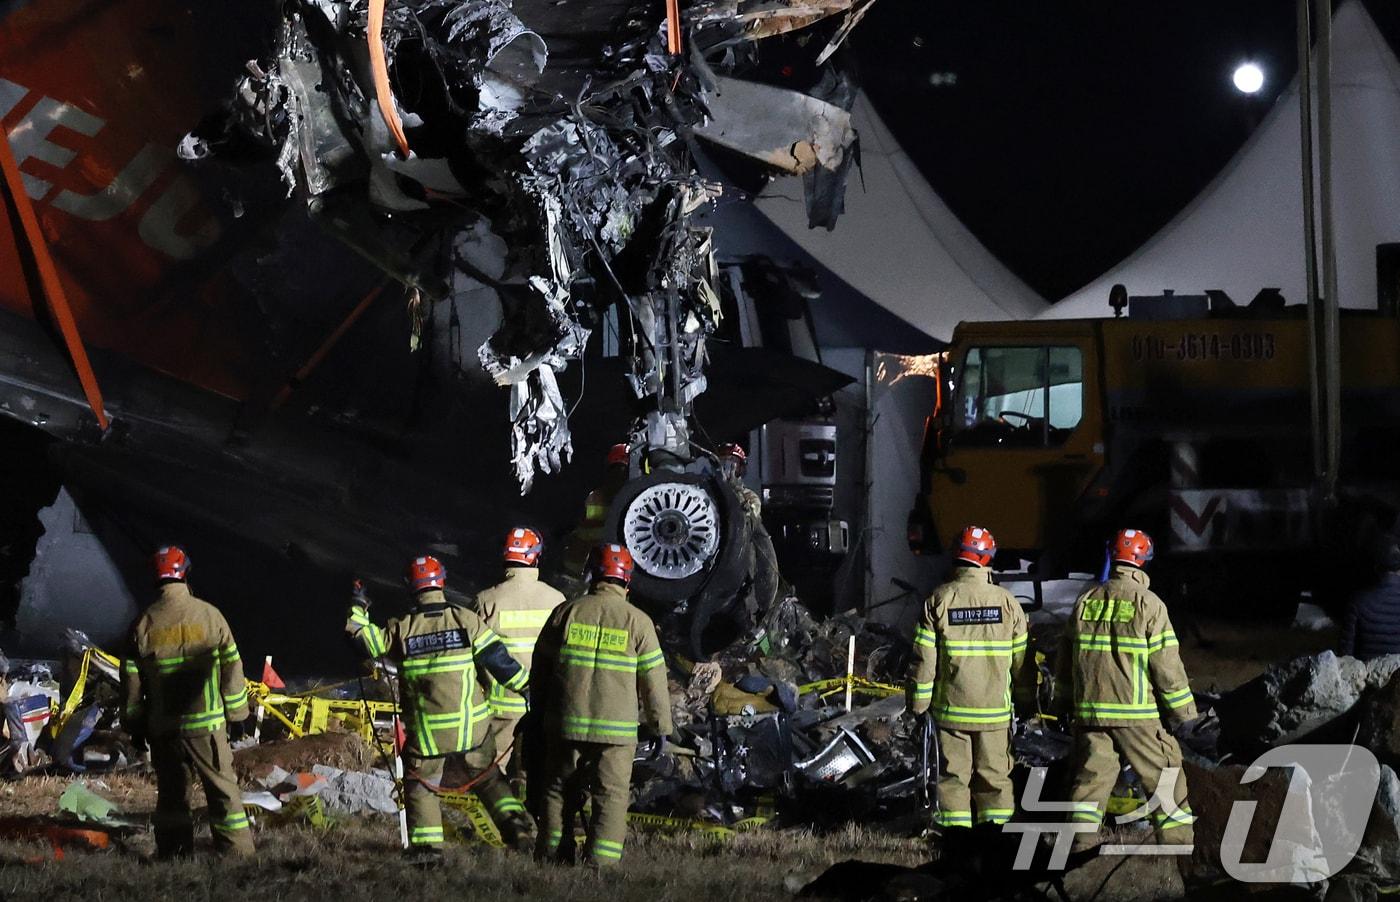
<point x="405" y="126"/>
<point x="789" y="130"/>
<point x="756" y="19"/>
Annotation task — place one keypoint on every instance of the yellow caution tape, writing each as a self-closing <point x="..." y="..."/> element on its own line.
<point x="676" y="824"/>
<point x="1123" y="804"/>
<point x="307" y="808"/>
<point x="470" y="804"/>
<point x="858" y="684"/>
<point x="58" y="716"/>
<point x="304" y="715"/>
<point x="749" y="823"/>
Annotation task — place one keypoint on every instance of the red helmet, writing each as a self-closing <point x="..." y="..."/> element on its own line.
<point x="730" y="449"/>
<point x="618" y="456"/>
<point x="523" y="546"/>
<point x="977" y="546"/>
<point x="172" y="563"/>
<point x="1132" y="546"/>
<point x="426" y="572"/>
<point x="614" y="562"/>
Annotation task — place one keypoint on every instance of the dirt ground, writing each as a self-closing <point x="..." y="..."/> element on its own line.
<point x="358" y="859"/>
<point x="1222" y="654"/>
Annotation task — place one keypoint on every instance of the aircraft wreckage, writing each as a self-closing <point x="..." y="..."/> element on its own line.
<point x="441" y="140"/>
<point x="425" y="133"/>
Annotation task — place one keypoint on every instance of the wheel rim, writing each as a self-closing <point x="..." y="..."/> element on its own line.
<point x="672" y="529"/>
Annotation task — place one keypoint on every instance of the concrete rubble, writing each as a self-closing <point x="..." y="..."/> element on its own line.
<point x="1292" y="700"/>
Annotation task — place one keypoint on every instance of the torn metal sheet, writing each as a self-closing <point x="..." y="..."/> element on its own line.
<point x="786" y="129"/>
<point x="760" y="19"/>
<point x="852" y="19"/>
<point x="506" y="58"/>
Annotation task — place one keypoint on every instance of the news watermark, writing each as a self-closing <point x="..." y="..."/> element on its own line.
<point x="1327" y="802"/>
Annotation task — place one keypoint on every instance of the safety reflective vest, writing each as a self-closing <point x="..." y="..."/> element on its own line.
<point x="516" y="609"/>
<point x="599" y="671"/>
<point x="969" y="645"/>
<point x="183" y="673"/>
<point x="1119" y="663"/>
<point x="436" y="647"/>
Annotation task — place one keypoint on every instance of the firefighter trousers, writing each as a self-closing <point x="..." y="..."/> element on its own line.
<point x="503" y="735"/>
<point x="179" y="760"/>
<point x="1153" y="753"/>
<point x="579" y="770"/>
<point x="974" y="773"/>
<point x="423" y="781"/>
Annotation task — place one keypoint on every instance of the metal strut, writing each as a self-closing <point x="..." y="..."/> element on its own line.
<point x="32" y="238"/>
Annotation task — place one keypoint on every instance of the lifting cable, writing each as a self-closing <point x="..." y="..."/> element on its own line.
<point x="673" y="27"/>
<point x="379" y="66"/>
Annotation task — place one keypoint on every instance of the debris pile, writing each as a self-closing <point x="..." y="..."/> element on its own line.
<point x="70" y="721"/>
<point x="27" y="694"/>
<point x="1319" y="700"/>
<point x="343" y="751"/>
<point x="767" y="728"/>
<point x="1296" y="699"/>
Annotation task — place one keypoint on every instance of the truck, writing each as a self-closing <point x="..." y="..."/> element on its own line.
<point x="1188" y="418"/>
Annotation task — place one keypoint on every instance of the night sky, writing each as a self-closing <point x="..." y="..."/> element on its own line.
<point x="1074" y="130"/>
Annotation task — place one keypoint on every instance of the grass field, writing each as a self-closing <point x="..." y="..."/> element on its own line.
<point x="357" y="859"/>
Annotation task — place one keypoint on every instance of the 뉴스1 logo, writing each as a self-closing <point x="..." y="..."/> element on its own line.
<point x="1331" y="790"/>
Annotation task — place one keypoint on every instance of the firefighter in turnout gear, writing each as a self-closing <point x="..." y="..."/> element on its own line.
<point x="733" y="463"/>
<point x="969" y="652"/>
<point x="600" y="678"/>
<point x="589" y="532"/>
<point x="439" y="650"/>
<point x="182" y="682"/>
<point x="1118" y="672"/>
<point x="516" y="610"/>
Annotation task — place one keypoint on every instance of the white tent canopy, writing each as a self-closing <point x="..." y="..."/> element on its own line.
<point x="1245" y="230"/>
<point x="899" y="244"/>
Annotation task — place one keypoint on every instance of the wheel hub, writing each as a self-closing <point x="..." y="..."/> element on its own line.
<point x="672" y="529"/>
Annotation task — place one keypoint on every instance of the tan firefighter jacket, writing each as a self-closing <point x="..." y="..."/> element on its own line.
<point x="183" y="673"/>
<point x="600" y="672"/>
<point x="1119" y="663"/>
<point x="516" y="609"/>
<point x="589" y="532"/>
<point x="969" y="647"/>
<point x="439" y="648"/>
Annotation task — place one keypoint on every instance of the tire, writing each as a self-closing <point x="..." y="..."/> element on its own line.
<point x="726" y="568"/>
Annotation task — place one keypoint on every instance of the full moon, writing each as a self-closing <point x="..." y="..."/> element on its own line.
<point x="1249" y="78"/>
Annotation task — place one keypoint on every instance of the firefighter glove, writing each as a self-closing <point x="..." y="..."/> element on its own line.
<point x="242" y="729"/>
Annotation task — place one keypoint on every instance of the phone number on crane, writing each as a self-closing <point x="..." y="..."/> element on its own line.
<point x="1205" y="346"/>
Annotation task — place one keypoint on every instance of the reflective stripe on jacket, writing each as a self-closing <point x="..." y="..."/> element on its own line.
<point x="589" y="531"/>
<point x="184" y="674"/>
<point x="599" y="671"/>
<point x="969" y="648"/>
<point x="436" y="647"/>
<point x="1119" y="663"/>
<point x="516" y="609"/>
